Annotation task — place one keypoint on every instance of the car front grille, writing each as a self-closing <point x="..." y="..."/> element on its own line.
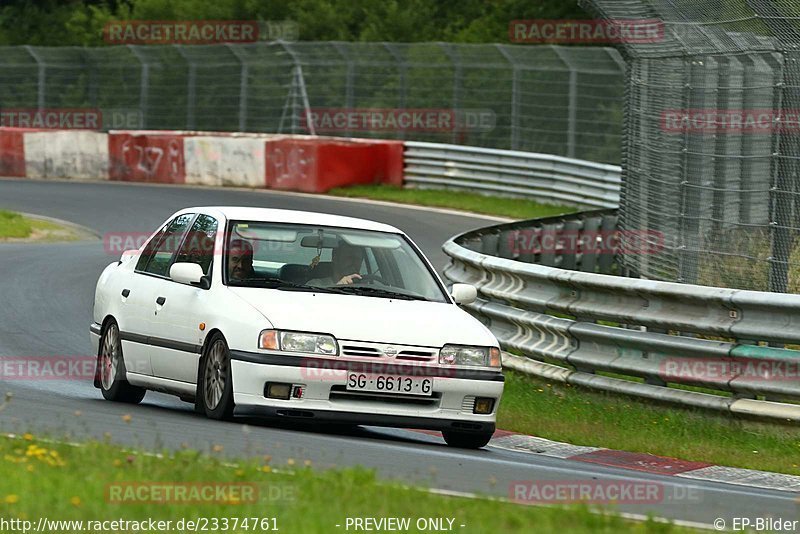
<point x="361" y="349"/>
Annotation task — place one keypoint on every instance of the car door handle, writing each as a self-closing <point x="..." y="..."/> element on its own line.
<point x="161" y="300"/>
<point x="126" y="292"/>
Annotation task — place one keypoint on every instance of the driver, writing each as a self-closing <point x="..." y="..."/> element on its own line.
<point x="346" y="261"/>
<point x="240" y="260"/>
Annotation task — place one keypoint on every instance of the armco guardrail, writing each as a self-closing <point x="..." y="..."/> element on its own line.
<point x="539" y="176"/>
<point x="573" y="323"/>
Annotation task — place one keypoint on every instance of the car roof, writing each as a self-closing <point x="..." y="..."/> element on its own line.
<point x="293" y="216"/>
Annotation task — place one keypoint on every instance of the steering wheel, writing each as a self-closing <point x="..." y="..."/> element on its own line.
<point x="369" y="279"/>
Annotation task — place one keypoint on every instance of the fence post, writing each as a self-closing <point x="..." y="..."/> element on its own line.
<point x="191" y="83"/>
<point x="243" y="77"/>
<point x="402" y="69"/>
<point x="515" y="113"/>
<point x="298" y="81"/>
<point x="42" y="77"/>
<point x="457" y="74"/>
<point x="349" y="80"/>
<point x="572" y="117"/>
<point x="144" y="84"/>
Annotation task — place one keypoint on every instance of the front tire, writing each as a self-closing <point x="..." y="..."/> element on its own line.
<point x="111" y="369"/>
<point x="216" y="391"/>
<point x="466" y="440"/>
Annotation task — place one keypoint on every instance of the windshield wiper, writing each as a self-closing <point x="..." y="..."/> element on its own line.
<point x="377" y="292"/>
<point x="275" y="283"/>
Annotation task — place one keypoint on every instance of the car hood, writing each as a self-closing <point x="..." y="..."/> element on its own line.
<point x="355" y="317"/>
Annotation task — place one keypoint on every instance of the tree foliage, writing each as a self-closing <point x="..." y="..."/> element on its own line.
<point x="80" y="22"/>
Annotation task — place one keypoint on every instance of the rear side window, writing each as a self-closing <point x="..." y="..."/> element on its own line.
<point x="198" y="247"/>
<point x="157" y="259"/>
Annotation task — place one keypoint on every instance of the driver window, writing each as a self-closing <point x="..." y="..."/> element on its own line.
<point x="198" y="247"/>
<point x="158" y="259"/>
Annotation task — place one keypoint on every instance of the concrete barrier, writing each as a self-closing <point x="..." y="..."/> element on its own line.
<point x="285" y="162"/>
<point x="146" y="157"/>
<point x="316" y="165"/>
<point x="71" y="154"/>
<point x="225" y="161"/>
<point x="12" y="152"/>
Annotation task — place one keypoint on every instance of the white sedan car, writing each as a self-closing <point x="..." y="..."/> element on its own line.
<point x="295" y="314"/>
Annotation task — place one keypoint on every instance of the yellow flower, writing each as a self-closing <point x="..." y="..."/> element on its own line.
<point x="27" y="436"/>
<point x="127" y="418"/>
<point x="75" y="501"/>
<point x="266" y="469"/>
<point x="12" y="499"/>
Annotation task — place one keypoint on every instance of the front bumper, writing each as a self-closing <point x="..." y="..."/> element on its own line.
<point x="325" y="397"/>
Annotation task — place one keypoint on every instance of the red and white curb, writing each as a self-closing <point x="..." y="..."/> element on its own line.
<point x="647" y="463"/>
<point x="643" y="462"/>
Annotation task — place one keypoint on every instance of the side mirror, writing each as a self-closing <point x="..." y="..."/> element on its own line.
<point x="186" y="273"/>
<point x="127" y="255"/>
<point x="464" y="293"/>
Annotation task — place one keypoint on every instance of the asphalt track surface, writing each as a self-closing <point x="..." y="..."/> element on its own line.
<point x="46" y="291"/>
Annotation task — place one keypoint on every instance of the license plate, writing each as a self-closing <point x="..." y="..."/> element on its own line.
<point x="404" y="385"/>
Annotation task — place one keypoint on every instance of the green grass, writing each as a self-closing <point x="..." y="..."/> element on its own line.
<point x="15" y="226"/>
<point x="561" y="412"/>
<point x="57" y="481"/>
<point x="515" y="208"/>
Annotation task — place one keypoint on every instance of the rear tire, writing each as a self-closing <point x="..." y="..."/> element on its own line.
<point x="466" y="440"/>
<point x="111" y="369"/>
<point x="216" y="389"/>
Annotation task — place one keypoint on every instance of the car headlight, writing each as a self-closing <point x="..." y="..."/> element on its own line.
<point x="297" y="342"/>
<point x="465" y="355"/>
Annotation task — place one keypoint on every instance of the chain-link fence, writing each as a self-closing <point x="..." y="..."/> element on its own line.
<point x="711" y="140"/>
<point x="557" y="100"/>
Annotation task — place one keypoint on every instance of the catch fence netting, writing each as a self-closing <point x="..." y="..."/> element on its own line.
<point x="711" y="141"/>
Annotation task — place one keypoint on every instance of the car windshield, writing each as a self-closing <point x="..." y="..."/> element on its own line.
<point x="297" y="257"/>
